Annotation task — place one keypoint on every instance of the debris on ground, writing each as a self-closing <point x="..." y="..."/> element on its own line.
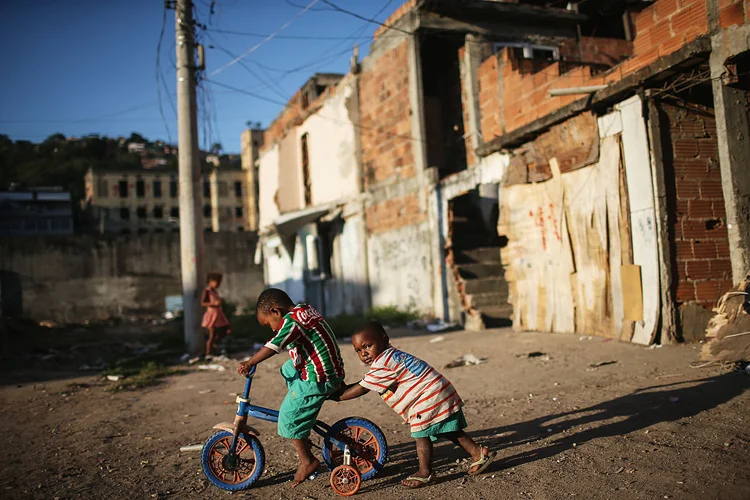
<point x="194" y="360"/>
<point x="206" y="391"/>
<point x="728" y="333"/>
<point x="192" y="447"/>
<point x="432" y="325"/>
<point x="114" y="378"/>
<point x="466" y="360"/>
<point x="435" y="340"/>
<point x="213" y="366"/>
<point x="48" y="324"/>
<point x="601" y="363"/>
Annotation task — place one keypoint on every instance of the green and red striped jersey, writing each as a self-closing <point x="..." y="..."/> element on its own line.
<point x="311" y="344"/>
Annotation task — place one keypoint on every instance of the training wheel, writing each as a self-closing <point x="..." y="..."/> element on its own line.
<point x="345" y="480"/>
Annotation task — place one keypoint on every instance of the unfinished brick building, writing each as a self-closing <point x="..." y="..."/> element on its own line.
<point x="606" y="141"/>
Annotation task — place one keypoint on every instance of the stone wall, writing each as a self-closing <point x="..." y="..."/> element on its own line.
<point x="72" y="279"/>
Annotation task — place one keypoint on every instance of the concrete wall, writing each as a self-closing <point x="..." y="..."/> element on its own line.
<point x="348" y="290"/>
<point x="283" y="269"/>
<point x="291" y="195"/>
<point x="72" y="279"/>
<point x="332" y="146"/>
<point x="401" y="268"/>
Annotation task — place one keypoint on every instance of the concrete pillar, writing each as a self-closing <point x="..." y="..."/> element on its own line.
<point x="731" y="109"/>
<point x="473" y="56"/>
<point x="214" y="183"/>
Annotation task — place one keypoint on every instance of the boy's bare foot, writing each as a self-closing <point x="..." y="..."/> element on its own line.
<point x="304" y="471"/>
<point x="481" y="460"/>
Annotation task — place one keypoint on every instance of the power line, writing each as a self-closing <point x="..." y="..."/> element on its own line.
<point x="323" y="57"/>
<point x="363" y="18"/>
<point x="288" y="37"/>
<point x="159" y="75"/>
<point x="265" y="40"/>
<point x="270" y="84"/>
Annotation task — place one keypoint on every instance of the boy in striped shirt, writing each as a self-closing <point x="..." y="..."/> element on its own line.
<point x="423" y="397"/>
<point x="315" y="371"/>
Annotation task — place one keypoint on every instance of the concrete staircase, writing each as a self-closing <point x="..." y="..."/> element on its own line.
<point x="474" y="258"/>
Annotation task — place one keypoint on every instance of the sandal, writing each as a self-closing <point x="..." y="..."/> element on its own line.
<point x="421" y="481"/>
<point x="484" y="461"/>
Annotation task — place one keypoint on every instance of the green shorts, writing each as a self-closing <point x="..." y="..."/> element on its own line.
<point x="454" y="423"/>
<point x="302" y="403"/>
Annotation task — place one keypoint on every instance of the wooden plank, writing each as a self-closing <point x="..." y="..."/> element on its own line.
<point x="609" y="166"/>
<point x="642" y="214"/>
<point x="537" y="259"/>
<point x="631" y="292"/>
<point x="626" y="243"/>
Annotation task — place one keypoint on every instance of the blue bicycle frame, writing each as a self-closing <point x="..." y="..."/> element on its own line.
<point x="245" y="409"/>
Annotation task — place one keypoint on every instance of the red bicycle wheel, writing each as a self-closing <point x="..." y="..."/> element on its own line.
<point x="345" y="480"/>
<point x="366" y="445"/>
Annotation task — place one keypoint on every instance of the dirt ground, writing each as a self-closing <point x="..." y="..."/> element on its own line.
<point x="646" y="426"/>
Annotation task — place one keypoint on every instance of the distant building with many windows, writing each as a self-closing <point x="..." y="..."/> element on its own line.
<point x="36" y="211"/>
<point x="139" y="200"/>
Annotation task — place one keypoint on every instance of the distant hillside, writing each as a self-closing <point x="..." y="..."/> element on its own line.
<point x="63" y="161"/>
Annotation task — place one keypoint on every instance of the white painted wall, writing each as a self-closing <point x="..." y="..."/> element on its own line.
<point x="332" y="148"/>
<point x="268" y="178"/>
<point x="401" y="269"/>
<point x="347" y="292"/>
<point x="282" y="270"/>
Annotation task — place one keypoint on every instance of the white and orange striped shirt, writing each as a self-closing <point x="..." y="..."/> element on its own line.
<point x="421" y="395"/>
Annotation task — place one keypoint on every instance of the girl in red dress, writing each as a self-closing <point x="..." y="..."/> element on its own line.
<point x="214" y="319"/>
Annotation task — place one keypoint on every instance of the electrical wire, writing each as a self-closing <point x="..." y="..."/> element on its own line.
<point x="363" y="18"/>
<point x="265" y="40"/>
<point x="268" y="83"/>
<point x="376" y="128"/>
<point x="160" y="75"/>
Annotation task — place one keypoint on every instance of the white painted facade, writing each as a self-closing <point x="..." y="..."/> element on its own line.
<point x="332" y="147"/>
<point x="268" y="178"/>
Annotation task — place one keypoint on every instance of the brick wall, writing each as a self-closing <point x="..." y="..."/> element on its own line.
<point x="660" y="29"/>
<point x="733" y="12"/>
<point x="385" y="117"/>
<point x="703" y="267"/>
<point x="594" y="50"/>
<point x="397" y="14"/>
<point x="394" y="213"/>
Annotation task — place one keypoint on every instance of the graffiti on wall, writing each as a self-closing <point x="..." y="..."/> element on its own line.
<point x="400" y="268"/>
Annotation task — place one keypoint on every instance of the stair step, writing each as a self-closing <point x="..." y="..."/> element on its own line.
<point x="479" y="254"/>
<point x="474" y="239"/>
<point x="497" y="317"/>
<point x="485" y="285"/>
<point x="481" y="270"/>
<point x="489" y="299"/>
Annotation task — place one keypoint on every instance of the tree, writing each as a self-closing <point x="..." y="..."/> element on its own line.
<point x="136" y="137"/>
<point x="216" y="148"/>
<point x="254" y="125"/>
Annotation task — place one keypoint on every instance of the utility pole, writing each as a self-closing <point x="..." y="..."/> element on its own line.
<point x="191" y="221"/>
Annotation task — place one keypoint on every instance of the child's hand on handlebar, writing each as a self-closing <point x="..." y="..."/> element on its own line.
<point x="244" y="368"/>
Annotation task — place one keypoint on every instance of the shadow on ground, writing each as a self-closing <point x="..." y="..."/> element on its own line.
<point x="620" y="416"/>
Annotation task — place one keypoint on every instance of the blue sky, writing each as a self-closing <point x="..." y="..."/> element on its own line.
<point x="89" y="66"/>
